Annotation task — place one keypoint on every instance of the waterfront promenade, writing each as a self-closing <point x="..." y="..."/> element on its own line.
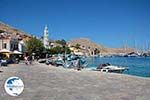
<point x="44" y="82"/>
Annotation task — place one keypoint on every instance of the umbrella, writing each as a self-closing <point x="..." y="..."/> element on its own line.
<point x="5" y="51"/>
<point x="16" y="52"/>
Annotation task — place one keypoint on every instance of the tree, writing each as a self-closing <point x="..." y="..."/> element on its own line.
<point x="34" y="46"/>
<point x="62" y="42"/>
<point x="67" y="50"/>
<point x="63" y="49"/>
<point x="60" y="50"/>
<point x="77" y="46"/>
<point x="1" y="31"/>
<point x="96" y="51"/>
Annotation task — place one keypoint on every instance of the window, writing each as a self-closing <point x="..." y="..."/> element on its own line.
<point x="5" y="45"/>
<point x="16" y="47"/>
<point x="11" y="46"/>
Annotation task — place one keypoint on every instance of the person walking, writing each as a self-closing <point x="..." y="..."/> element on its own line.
<point x="78" y="65"/>
<point x="26" y="60"/>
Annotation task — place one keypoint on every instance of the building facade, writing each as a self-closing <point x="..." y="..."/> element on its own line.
<point x="11" y="43"/>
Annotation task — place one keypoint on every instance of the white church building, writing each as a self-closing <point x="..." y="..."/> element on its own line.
<point x="45" y="38"/>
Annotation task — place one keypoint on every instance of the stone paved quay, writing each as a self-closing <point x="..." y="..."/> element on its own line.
<point x="44" y="82"/>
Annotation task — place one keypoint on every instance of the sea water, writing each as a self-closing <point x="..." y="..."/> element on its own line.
<point x="138" y="66"/>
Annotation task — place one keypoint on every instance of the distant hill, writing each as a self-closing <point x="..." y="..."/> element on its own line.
<point x="9" y="29"/>
<point x="119" y="50"/>
<point x="88" y="44"/>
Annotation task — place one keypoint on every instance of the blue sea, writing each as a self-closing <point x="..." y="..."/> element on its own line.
<point x="138" y="66"/>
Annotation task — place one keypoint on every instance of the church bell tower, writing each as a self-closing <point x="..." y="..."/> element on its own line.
<point x="45" y="37"/>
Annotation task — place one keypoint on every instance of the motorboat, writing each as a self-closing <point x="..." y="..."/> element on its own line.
<point x="111" y="68"/>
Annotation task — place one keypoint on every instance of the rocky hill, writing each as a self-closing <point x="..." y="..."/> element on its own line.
<point x="119" y="50"/>
<point x="85" y="43"/>
<point x="11" y="30"/>
<point x="88" y="44"/>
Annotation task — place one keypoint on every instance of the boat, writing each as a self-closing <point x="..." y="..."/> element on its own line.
<point x="73" y="63"/>
<point x="111" y="68"/>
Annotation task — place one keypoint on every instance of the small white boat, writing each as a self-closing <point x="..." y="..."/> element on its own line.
<point x="111" y="68"/>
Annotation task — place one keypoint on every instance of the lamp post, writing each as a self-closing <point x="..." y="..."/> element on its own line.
<point x="64" y="55"/>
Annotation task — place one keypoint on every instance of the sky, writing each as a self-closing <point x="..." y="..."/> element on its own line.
<point x="112" y="23"/>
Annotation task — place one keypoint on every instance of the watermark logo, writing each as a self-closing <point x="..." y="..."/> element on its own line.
<point x="14" y="86"/>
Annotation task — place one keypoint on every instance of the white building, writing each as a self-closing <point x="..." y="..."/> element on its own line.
<point x="21" y="46"/>
<point x="11" y="42"/>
